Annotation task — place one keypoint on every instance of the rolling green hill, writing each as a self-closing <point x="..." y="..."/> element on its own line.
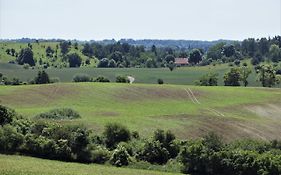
<point x="189" y="111"/>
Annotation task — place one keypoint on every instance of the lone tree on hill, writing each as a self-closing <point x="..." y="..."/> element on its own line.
<point x="26" y="56"/>
<point x="42" y="78"/>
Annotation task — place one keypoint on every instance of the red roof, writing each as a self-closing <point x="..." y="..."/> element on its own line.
<point x="181" y="61"/>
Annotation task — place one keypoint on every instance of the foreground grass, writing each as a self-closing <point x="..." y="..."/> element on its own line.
<point x="22" y="165"/>
<point x="233" y="112"/>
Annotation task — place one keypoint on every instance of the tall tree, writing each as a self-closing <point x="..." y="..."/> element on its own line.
<point x="74" y="60"/>
<point x="232" y="77"/>
<point x="267" y="76"/>
<point x="42" y="78"/>
<point x="245" y="72"/>
<point x="88" y="50"/>
<point x="64" y="46"/>
<point x="26" y="56"/>
<point x="228" y="50"/>
<point x="274" y="53"/>
<point x="195" y="56"/>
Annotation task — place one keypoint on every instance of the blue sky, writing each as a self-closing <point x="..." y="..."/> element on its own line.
<point x="140" y="19"/>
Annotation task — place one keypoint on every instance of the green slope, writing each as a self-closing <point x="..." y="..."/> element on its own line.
<point x="22" y="165"/>
<point x="233" y="112"/>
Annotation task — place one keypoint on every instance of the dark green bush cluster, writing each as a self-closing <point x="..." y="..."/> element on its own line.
<point x="120" y="147"/>
<point x="210" y="156"/>
<point x="86" y="78"/>
<point x="82" y="78"/>
<point x="160" y="149"/>
<point x="122" y="79"/>
<point x="59" y="114"/>
<point x="101" y="79"/>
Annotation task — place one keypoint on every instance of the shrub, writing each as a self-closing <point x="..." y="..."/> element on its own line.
<point x="100" y="155"/>
<point x="42" y="78"/>
<point x="120" y="157"/>
<point x="194" y="158"/>
<point x="101" y="79"/>
<point x="153" y="152"/>
<point x="167" y="141"/>
<point x="55" y="80"/>
<point x="210" y="79"/>
<point x="82" y="78"/>
<point x="160" y="81"/>
<point x="122" y="79"/>
<point x="213" y="142"/>
<point x="115" y="133"/>
<point x="10" y="139"/>
<point x="59" y="114"/>
<point x="6" y="115"/>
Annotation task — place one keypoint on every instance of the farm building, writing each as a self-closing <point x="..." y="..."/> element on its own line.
<point x="181" y="61"/>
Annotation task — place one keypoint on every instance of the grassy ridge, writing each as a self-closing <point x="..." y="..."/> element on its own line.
<point x="232" y="111"/>
<point x="22" y="165"/>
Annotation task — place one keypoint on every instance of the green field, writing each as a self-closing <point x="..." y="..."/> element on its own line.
<point x="22" y="165"/>
<point x="183" y="75"/>
<point x="233" y="112"/>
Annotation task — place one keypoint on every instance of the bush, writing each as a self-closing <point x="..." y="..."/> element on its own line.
<point x="100" y="155"/>
<point x="153" y="152"/>
<point x="122" y="79"/>
<point x="10" y="139"/>
<point x="82" y="78"/>
<point x="213" y="142"/>
<point x="120" y="157"/>
<point x="210" y="79"/>
<point x="6" y="115"/>
<point x="160" y="81"/>
<point x="42" y="78"/>
<point x="115" y="133"/>
<point x="55" y="80"/>
<point x="59" y="114"/>
<point x="101" y="79"/>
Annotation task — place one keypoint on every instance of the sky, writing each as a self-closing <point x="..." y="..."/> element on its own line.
<point x="140" y="19"/>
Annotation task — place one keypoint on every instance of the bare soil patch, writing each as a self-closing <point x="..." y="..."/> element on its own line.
<point x="272" y="111"/>
<point x="229" y="128"/>
<point x="135" y="93"/>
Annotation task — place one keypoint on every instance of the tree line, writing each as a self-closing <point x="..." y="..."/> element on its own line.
<point x="122" y="54"/>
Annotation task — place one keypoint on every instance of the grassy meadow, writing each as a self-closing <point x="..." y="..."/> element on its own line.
<point x="232" y="112"/>
<point x="23" y="165"/>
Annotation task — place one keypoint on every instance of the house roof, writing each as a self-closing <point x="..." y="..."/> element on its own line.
<point x="181" y="61"/>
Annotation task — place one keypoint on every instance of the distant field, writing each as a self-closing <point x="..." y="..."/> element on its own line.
<point x="183" y="75"/>
<point x="189" y="111"/>
<point x="22" y="165"/>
